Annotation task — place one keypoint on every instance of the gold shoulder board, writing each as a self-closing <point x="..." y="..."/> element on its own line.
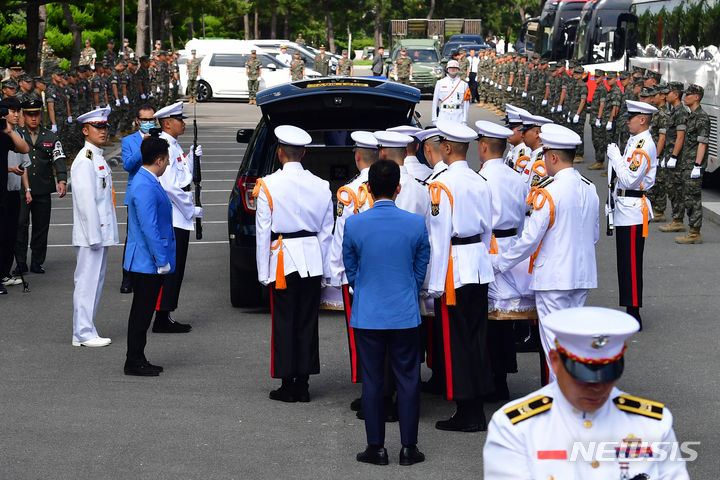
<point x="641" y="143"/>
<point x="639" y="406"/>
<point x="89" y="154"/>
<point x="546" y="182"/>
<point x="528" y="408"/>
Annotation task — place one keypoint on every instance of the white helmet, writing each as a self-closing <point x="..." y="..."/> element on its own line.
<point x="453" y="64"/>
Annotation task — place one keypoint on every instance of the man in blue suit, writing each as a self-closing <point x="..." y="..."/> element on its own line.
<point x="132" y="161"/>
<point x="150" y="253"/>
<point x="386" y="252"/>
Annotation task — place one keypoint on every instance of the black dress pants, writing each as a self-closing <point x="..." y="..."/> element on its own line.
<point x="39" y="209"/>
<point x="403" y="348"/>
<point x="145" y="294"/>
<point x="173" y="282"/>
<point x="630" y="246"/>
<point x="294" y="343"/>
<point x="9" y="214"/>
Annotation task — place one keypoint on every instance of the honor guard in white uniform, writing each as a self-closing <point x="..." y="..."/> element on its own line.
<point x="548" y="433"/>
<point x="518" y="151"/>
<point x="351" y="199"/>
<point x="293" y="227"/>
<point x="94" y="226"/>
<point x="635" y="170"/>
<point x="510" y="291"/>
<point x="418" y="170"/>
<point x="534" y="171"/>
<point x="413" y="197"/>
<point x="177" y="182"/>
<point x="561" y="233"/>
<point x="430" y="142"/>
<point x="451" y="100"/>
<point x="460" y="271"/>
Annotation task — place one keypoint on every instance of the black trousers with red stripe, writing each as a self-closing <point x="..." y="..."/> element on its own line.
<point x="630" y="245"/>
<point x="294" y="341"/>
<point x="464" y="357"/>
<point x="352" y="342"/>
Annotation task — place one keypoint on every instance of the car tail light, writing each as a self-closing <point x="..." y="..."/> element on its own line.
<point x="245" y="186"/>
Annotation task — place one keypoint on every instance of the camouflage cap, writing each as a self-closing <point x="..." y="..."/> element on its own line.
<point x="125" y="40"/>
<point x="694" y="89"/>
<point x="579" y="69"/>
<point x="462" y="50"/>
<point x="191" y="51"/>
<point x="636" y="69"/>
<point x="662" y="88"/>
<point x="344" y="52"/>
<point x="50" y="51"/>
<point x="676" y="86"/>
<point x="611" y="74"/>
<point x="40" y="79"/>
<point x="162" y="52"/>
<point x="111" y="41"/>
<point x="25" y="77"/>
<point x="9" y="83"/>
<point x="648" y="92"/>
<point x="403" y="49"/>
<point x="145" y="58"/>
<point x="133" y="61"/>
<point x="253" y="51"/>
<point x="543" y="61"/>
<point x="637" y="83"/>
<point x="624" y="75"/>
<point x="650" y="74"/>
<point x="599" y="72"/>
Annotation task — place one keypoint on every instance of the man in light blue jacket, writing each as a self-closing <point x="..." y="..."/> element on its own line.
<point x="150" y="253"/>
<point x="386" y="252"/>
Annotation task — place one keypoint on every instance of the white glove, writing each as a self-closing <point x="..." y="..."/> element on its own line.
<point x="117" y="102"/>
<point x="410" y="77"/>
<point x="158" y="89"/>
<point x="671" y="163"/>
<point x="613" y="153"/>
<point x="509" y="88"/>
<point x="467" y="79"/>
<point x="609" y="125"/>
<point x="696" y="172"/>
<point x="170" y="85"/>
<point x="126" y="101"/>
<point x="544" y="102"/>
<point x="598" y="124"/>
<point x="70" y="119"/>
<point x="395" y="77"/>
<point x="492" y="84"/>
<point x="552" y="109"/>
<point x="662" y="163"/>
<point x="559" y="108"/>
<point x="198" y="212"/>
<point x="150" y="95"/>
<point x="576" y="118"/>
<point x="96" y="246"/>
<point x="499" y="87"/>
<point x="435" y="294"/>
<point x="164" y="269"/>
<point x="53" y="129"/>
<point x="608" y="210"/>
<point x="524" y="95"/>
<point x="92" y="67"/>
<point x="197" y="151"/>
<point x="143" y="96"/>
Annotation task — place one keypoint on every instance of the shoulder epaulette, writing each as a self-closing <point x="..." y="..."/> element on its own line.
<point x="585" y="179"/>
<point x="528" y="408"/>
<point x="641" y="143"/>
<point x="89" y="154"/>
<point x="639" y="406"/>
<point x="546" y="182"/>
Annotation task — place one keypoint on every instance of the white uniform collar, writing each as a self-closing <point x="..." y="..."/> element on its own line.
<point x="565" y="172"/>
<point x="95" y="150"/>
<point x="171" y="140"/>
<point x="458" y="164"/>
<point x="411" y="158"/>
<point x="492" y="161"/>
<point x="403" y="170"/>
<point x="439" y="166"/>
<point x="289" y="166"/>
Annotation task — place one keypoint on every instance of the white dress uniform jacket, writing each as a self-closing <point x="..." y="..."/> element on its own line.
<point x="94" y="219"/>
<point x="439" y="168"/>
<point x="301" y="201"/>
<point x="530" y="173"/>
<point x="451" y="100"/>
<point x="418" y="170"/>
<point x="636" y="171"/>
<point x="413" y="197"/>
<point x="179" y="175"/>
<point x="470" y="214"/>
<point x="515" y="153"/>
<point x="540" y="446"/>
<point x="508" y="212"/>
<point x="566" y="249"/>
<point x="361" y="202"/>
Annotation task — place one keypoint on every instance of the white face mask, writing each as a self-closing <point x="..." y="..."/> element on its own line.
<point x="453" y="73"/>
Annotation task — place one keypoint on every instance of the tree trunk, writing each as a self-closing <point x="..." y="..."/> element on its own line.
<point x="256" y="26"/>
<point x="273" y="21"/>
<point x="43" y="22"/>
<point x="378" y="27"/>
<point x="141" y="28"/>
<point x="329" y="30"/>
<point x="431" y="11"/>
<point x="286" y="23"/>
<point x="246" y="22"/>
<point x="76" y="31"/>
<point x="32" y="42"/>
<point x="169" y="26"/>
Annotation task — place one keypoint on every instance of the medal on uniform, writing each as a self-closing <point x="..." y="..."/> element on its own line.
<point x="631" y="447"/>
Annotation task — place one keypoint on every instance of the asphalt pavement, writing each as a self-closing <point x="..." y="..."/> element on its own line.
<point x="70" y="413"/>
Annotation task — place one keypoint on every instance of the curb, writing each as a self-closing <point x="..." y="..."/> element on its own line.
<point x="711" y="212"/>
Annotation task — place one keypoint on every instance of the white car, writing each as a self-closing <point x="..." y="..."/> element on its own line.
<point x="273" y="47"/>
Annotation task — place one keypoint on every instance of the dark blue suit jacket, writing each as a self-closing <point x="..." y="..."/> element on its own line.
<point x="386" y="251"/>
<point x="131" y="156"/>
<point x="151" y="238"/>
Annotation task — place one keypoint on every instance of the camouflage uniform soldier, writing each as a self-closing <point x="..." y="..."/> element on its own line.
<point x="115" y="101"/>
<point x="322" y="62"/>
<point x="26" y="92"/>
<point x="694" y="161"/>
<point x="97" y="85"/>
<point x="110" y="56"/>
<point x="464" y="65"/>
<point x="345" y="65"/>
<point x="193" y="72"/>
<point x="403" y="68"/>
<point x="127" y="53"/>
<point x="555" y="91"/>
<point x="674" y="142"/>
<point x="483" y="76"/>
<point x="597" y="110"/>
<point x="129" y="87"/>
<point x="153" y="76"/>
<point x="253" y="69"/>
<point x="44" y="54"/>
<point x="511" y="72"/>
<point x="542" y="94"/>
<point x="622" y="127"/>
<point x="297" y="68"/>
<point x="173" y="77"/>
<point x="74" y="94"/>
<point x="612" y="102"/>
<point x="50" y="64"/>
<point x="143" y="78"/>
<point x="576" y="102"/>
<point x="658" y="129"/>
<point x="88" y="55"/>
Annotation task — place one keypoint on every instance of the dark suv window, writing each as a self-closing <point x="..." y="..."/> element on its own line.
<point x="229" y="60"/>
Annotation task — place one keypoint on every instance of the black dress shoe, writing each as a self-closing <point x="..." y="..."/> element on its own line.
<point x="36" y="268"/>
<point x="356" y="405"/>
<point x="142" y="371"/>
<point x="302" y="389"/>
<point x="411" y="455"/>
<point x="170" y="327"/>
<point x="458" y="424"/>
<point x="126" y="288"/>
<point x="373" y="455"/>
<point x="154" y="367"/>
<point x="283" y="394"/>
<point x="20" y="268"/>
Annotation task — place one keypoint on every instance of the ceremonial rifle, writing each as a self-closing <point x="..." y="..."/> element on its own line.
<point x="610" y="200"/>
<point x="197" y="176"/>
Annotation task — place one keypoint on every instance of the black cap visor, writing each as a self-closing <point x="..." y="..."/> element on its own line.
<point x="600" y="373"/>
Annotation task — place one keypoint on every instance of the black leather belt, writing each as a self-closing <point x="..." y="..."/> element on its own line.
<point x="509" y="232"/>
<point x="300" y="234"/>
<point x="466" y="240"/>
<point x="187" y="187"/>
<point x="630" y="193"/>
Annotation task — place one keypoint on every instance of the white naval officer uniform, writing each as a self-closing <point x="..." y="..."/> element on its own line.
<point x="94" y="230"/>
<point x="562" y="232"/>
<point x="451" y="100"/>
<point x="418" y="170"/>
<point x="546" y="435"/>
<point x="515" y="153"/>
